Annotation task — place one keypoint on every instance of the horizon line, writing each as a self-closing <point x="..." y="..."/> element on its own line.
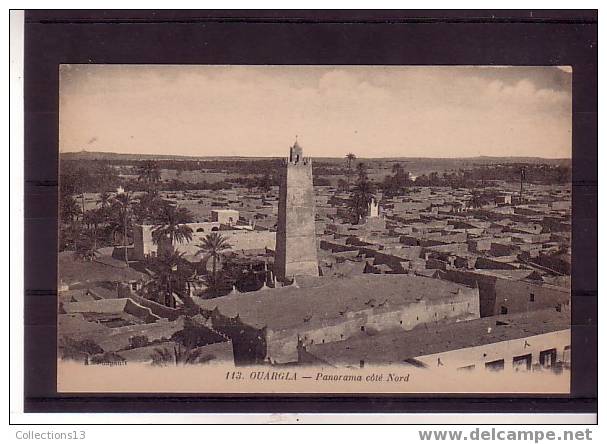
<point x="315" y="157"/>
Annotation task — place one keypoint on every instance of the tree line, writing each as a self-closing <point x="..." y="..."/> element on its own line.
<point x="111" y="222"/>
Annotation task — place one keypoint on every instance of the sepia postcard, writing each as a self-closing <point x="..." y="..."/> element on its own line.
<point x="314" y="229"/>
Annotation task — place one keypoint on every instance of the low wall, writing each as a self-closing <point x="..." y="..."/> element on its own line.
<point x="157" y="309"/>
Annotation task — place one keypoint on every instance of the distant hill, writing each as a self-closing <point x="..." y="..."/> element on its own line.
<point x="101" y="155"/>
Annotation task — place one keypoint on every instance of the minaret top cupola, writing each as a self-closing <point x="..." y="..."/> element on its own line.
<point x="296" y="153"/>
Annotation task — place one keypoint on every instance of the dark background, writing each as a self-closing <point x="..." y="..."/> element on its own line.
<point x="299" y="37"/>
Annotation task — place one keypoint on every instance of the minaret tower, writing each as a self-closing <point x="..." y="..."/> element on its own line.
<point x="296" y="232"/>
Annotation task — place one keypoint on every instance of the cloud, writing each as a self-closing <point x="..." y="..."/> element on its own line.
<point x="374" y="111"/>
<point x="525" y="93"/>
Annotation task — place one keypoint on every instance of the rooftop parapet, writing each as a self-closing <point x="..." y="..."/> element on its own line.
<point x="302" y="161"/>
<point x="296" y="156"/>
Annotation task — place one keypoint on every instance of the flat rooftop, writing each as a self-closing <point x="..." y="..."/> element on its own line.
<point x="75" y="271"/>
<point x="327" y="300"/>
<point x="529" y="276"/>
<point x="399" y="345"/>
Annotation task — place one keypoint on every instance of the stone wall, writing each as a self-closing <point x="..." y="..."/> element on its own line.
<point x="239" y="239"/>
<point x="282" y="346"/>
<point x="157" y="309"/>
<point x="523" y="296"/>
<point x="514" y="296"/>
<point x="248" y="343"/>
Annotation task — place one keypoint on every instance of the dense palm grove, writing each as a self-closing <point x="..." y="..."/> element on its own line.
<point x="138" y="201"/>
<point x="111" y="224"/>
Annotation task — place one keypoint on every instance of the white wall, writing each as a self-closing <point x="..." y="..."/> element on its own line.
<point x="505" y="350"/>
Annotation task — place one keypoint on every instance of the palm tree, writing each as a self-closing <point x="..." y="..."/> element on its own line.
<point x="434" y="179"/>
<point x="213" y="244"/>
<point x="400" y="176"/>
<point x="265" y="183"/>
<point x="185" y="276"/>
<point x="172" y="226"/>
<point x="361" y="170"/>
<point x="149" y="207"/>
<point x="170" y="270"/>
<point x="69" y="209"/>
<point x="86" y="249"/>
<point x="71" y="236"/>
<point x="179" y="355"/>
<point x="93" y="218"/>
<point x="149" y="172"/>
<point x="85" y="246"/>
<point x="398" y="171"/>
<point x="123" y="202"/>
<point x="350" y="157"/>
<point x="189" y="277"/>
<point x="105" y="199"/>
<point x="166" y="270"/>
<point x="362" y="194"/>
<point x="422" y="181"/>
<point x="476" y="200"/>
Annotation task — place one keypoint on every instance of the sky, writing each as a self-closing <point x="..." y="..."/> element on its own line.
<point x="372" y="111"/>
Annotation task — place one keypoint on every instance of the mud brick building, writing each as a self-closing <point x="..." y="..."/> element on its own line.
<point x="270" y="325"/>
<point x="520" y="342"/>
<point x="511" y="291"/>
